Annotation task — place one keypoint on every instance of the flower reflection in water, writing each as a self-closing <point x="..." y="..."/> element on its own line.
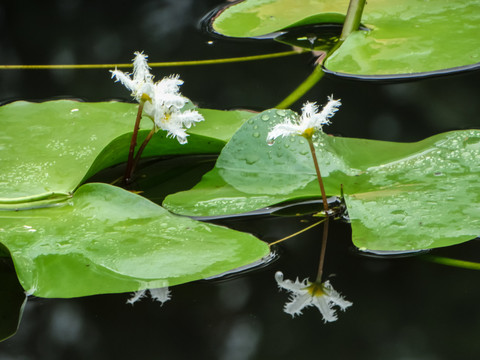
<point x="305" y="293"/>
<point x="161" y="295"/>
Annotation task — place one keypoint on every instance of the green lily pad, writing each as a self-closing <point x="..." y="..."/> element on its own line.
<point x="400" y="196"/>
<point x="253" y="18"/>
<point x="405" y="38"/>
<point x="108" y="240"/>
<point x="49" y="148"/>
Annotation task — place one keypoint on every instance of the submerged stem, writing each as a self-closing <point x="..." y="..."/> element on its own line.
<point x="353" y="18"/>
<point x="452" y="262"/>
<point x="155" y="64"/>
<point x="297" y="233"/>
<point x="351" y="24"/>
<point x="319" y="176"/>
<point x="133" y="143"/>
<point x="303" y="88"/>
<point x="323" y="251"/>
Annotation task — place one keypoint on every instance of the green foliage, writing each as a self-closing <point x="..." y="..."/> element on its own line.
<point x="102" y="239"/>
<point x="49" y="148"/>
<point x="404" y="37"/>
<point x="252" y="18"/>
<point x="108" y="240"/>
<point x="400" y="196"/>
<point x="68" y="241"/>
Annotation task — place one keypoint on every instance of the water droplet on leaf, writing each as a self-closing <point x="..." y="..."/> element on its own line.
<point x="251" y="158"/>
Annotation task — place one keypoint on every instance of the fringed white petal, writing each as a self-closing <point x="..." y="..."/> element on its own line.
<point x="178" y="133"/>
<point x="124" y="79"/>
<point x="289" y="284"/>
<point x="170" y="84"/>
<point x="330" y="109"/>
<point x="297" y="303"/>
<point x="141" y="70"/>
<point x="335" y="296"/>
<point x="187" y="118"/>
<point x="170" y="100"/>
<point x="284" y="129"/>
<point x="309" y="109"/>
<point x="325" y="307"/>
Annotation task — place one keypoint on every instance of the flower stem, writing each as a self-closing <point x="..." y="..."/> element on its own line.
<point x="452" y="262"/>
<point x="323" y="251"/>
<point x="303" y="88"/>
<point x="353" y="18"/>
<point x="319" y="176"/>
<point x="141" y="148"/>
<point x="133" y="143"/>
<point x="155" y="64"/>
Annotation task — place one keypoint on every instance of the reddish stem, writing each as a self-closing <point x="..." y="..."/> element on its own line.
<point x="133" y="143"/>
<point x="141" y="148"/>
<point x="319" y="176"/>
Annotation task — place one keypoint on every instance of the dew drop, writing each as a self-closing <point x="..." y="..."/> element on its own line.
<point x="265" y="117"/>
<point x="250" y="121"/>
<point x="251" y="158"/>
<point x="286" y="145"/>
<point x="270" y="142"/>
<point x="303" y="152"/>
<point x="255" y="127"/>
<point x="256" y="134"/>
<point x="280" y="112"/>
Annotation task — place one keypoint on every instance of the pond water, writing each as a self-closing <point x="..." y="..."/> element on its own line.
<point x="403" y="307"/>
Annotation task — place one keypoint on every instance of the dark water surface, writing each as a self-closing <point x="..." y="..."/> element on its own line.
<point x="403" y="308"/>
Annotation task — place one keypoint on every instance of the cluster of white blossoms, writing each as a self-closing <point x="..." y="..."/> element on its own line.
<point x="305" y="293"/>
<point x="163" y="102"/>
<point x="308" y="123"/>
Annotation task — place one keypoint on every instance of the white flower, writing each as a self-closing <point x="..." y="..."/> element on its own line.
<point x="163" y="100"/>
<point x="308" y="123"/>
<point x="306" y="293"/>
<point x="161" y="295"/>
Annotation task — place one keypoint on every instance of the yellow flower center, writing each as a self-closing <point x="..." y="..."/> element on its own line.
<point x="145" y="97"/>
<point x="308" y="133"/>
<point x="316" y="289"/>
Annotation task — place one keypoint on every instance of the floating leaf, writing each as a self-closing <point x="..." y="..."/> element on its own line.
<point x="108" y="240"/>
<point x="250" y="18"/>
<point x="400" y="196"/>
<point x="49" y="148"/>
<point x="405" y="38"/>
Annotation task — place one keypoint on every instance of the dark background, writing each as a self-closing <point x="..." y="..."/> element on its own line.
<point x="403" y="308"/>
